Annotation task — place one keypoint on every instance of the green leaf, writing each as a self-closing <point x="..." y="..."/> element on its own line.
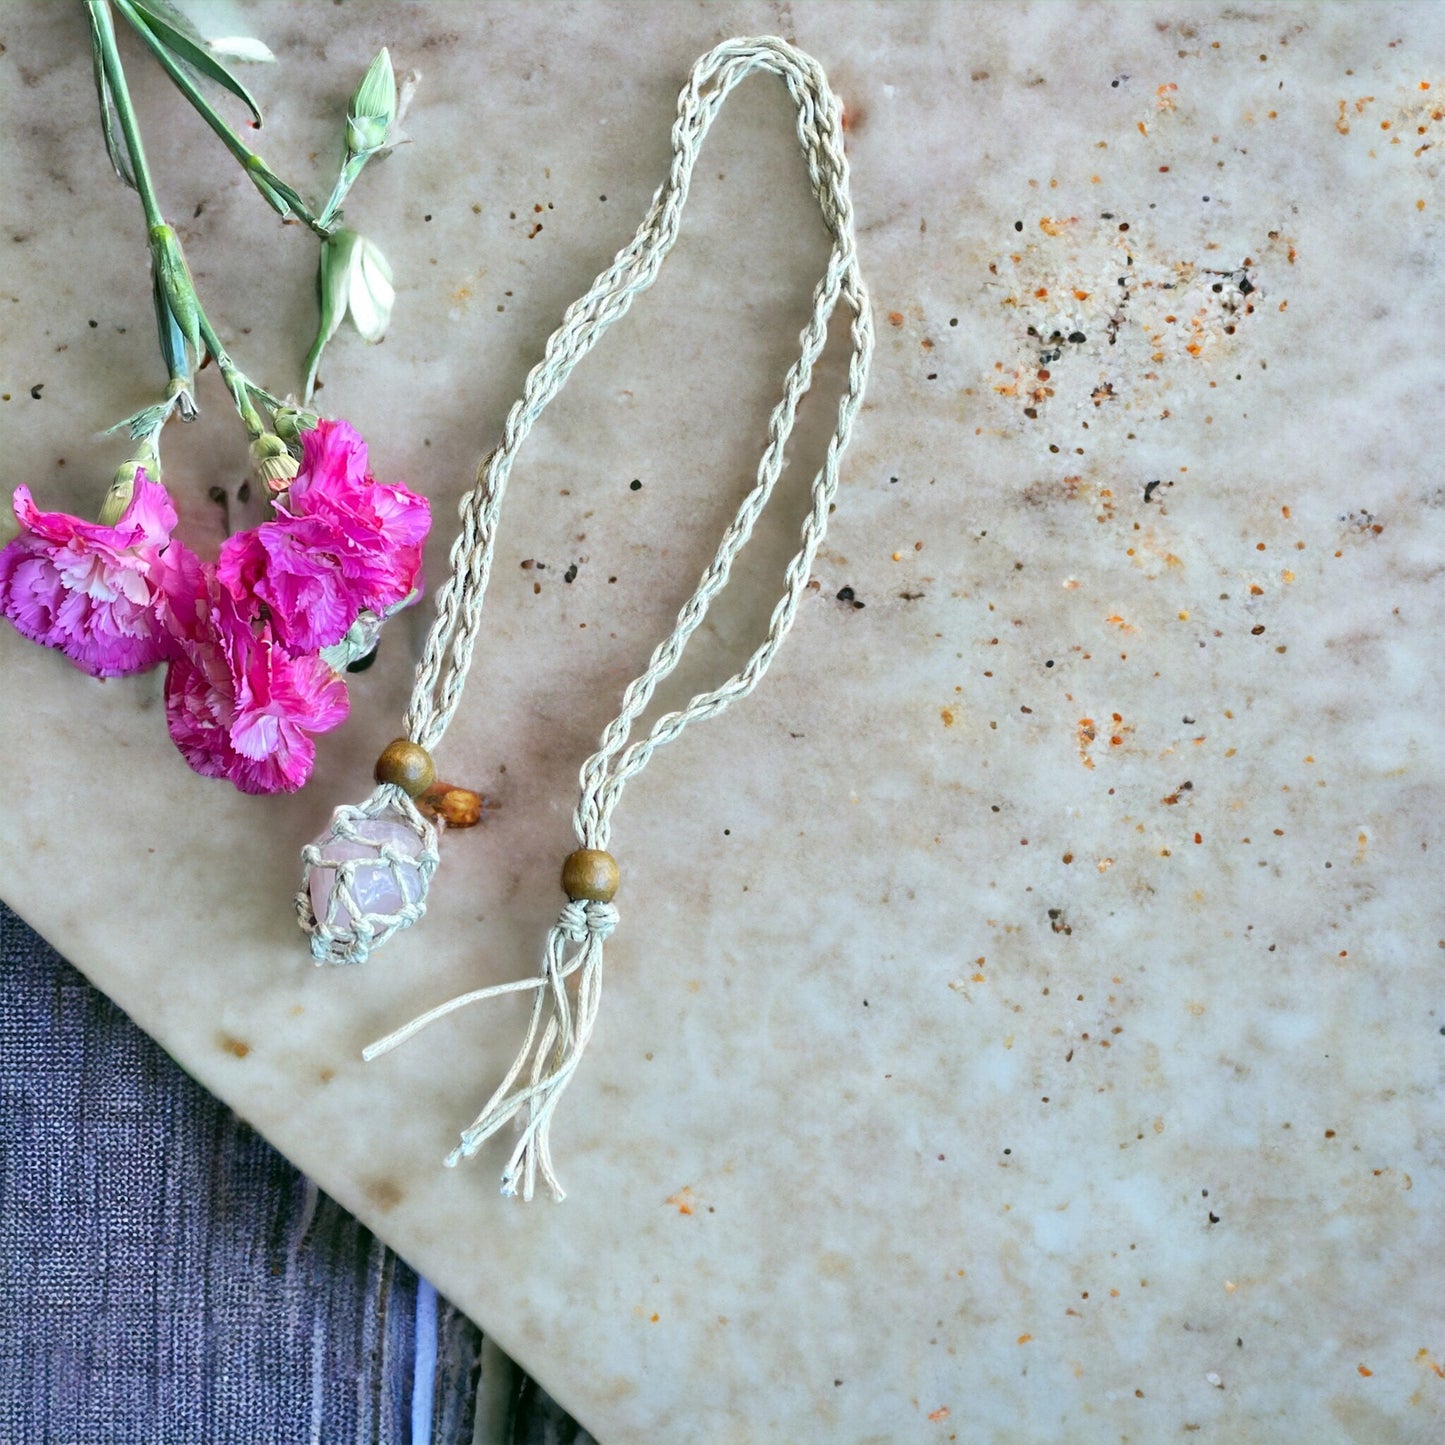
<point x="109" y="121"/>
<point x="173" y="277"/>
<point x="172" y="338"/>
<point x="184" y="41"/>
<point x="147" y="420"/>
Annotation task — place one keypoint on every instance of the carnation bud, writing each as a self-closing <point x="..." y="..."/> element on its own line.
<point x="291" y="421"/>
<point x="355" y="279"/>
<point x="369" y="292"/>
<point x="273" y="461"/>
<point x="373" y="108"/>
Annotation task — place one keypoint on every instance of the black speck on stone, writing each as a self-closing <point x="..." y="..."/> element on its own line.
<point x="1149" y="488"/>
<point x="1213" y="1218"/>
<point x="845" y="594"/>
<point x="570" y="575"/>
<point x="93" y="324"/>
<point x="1018" y="225"/>
<point x="1077" y="337"/>
<point x="36" y="390"/>
<point x="1246" y="286"/>
<point x="635" y="485"/>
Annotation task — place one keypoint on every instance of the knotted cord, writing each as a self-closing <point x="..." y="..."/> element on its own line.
<point x="564" y="1013"/>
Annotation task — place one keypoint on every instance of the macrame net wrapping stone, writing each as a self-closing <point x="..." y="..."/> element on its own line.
<point x="366" y="877"/>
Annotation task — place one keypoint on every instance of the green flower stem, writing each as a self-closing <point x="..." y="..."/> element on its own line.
<point x="177" y="362"/>
<point x="278" y="194"/>
<point x="114" y="73"/>
<point x="344" y="182"/>
<point x="235" y="379"/>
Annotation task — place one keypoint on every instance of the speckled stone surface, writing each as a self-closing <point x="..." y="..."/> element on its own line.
<point x="1025" y="1021"/>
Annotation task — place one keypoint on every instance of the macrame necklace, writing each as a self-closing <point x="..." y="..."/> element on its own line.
<point x="367" y="877"/>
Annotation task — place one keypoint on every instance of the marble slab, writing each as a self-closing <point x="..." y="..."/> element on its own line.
<point x="1026" y="1017"/>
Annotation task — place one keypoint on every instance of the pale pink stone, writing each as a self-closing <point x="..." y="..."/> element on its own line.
<point x="378" y="887"/>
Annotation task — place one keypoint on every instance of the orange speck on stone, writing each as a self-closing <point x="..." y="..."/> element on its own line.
<point x="655" y="1317"/>
<point x="1041" y="292"/>
<point x="1081" y="295"/>
<point x="1024" y="1339"/>
<point x="1420" y="204"/>
<point x="1068" y="857"/>
<point x="1143" y="129"/>
<point x="1365" y="1370"/>
<point x="1199" y="837"/>
<point x="939" y="1414"/>
<point x="895" y="318"/>
<point x="1194" y="348"/>
<point x="946" y="713"/>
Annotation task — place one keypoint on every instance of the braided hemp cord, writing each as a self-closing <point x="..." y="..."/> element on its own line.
<point x="552" y="1049"/>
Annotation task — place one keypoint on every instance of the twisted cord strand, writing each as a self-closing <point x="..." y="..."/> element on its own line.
<point x="564" y="1014"/>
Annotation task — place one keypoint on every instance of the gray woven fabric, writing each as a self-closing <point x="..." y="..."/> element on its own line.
<point x="166" y="1276"/>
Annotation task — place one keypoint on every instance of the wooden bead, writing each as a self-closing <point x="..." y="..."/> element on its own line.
<point x="591" y="874"/>
<point x="407" y="766"/>
<point x="456" y="807"/>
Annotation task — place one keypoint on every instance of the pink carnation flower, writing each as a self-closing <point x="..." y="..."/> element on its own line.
<point x="381" y="527"/>
<point x="240" y="706"/>
<point x="293" y="566"/>
<point x="97" y="593"/>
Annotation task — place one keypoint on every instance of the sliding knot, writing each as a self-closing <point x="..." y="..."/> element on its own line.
<point x="584" y="918"/>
